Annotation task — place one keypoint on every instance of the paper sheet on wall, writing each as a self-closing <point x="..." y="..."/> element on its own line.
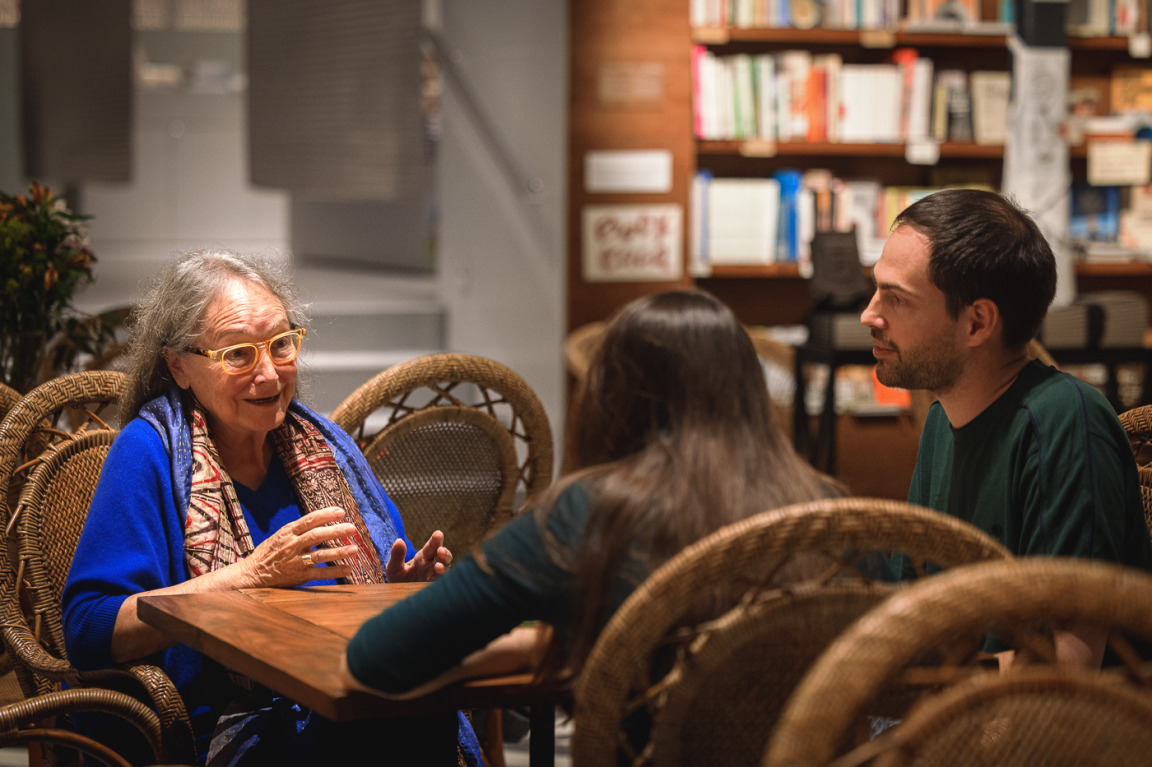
<point x="632" y="243"/>
<point x="1036" y="172"/>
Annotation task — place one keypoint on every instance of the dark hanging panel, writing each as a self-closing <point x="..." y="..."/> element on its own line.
<point x="76" y="89"/>
<point x="334" y="98"/>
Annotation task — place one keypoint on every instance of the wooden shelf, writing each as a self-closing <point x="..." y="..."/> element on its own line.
<point x="792" y="271"/>
<point x="881" y="38"/>
<point x="1120" y="269"/>
<point x="770" y="271"/>
<point x="758" y="148"/>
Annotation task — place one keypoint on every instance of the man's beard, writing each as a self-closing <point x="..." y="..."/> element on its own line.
<point x="934" y="365"/>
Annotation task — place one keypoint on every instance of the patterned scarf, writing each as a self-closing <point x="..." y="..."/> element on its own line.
<point x="215" y="534"/>
<point x="323" y="470"/>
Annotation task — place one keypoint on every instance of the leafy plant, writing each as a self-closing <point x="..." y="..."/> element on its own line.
<point x="44" y="260"/>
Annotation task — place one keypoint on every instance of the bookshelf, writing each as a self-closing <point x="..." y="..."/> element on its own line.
<point x="631" y="90"/>
<point x="613" y="107"/>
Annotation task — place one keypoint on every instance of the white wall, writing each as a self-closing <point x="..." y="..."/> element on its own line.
<point x="502" y="239"/>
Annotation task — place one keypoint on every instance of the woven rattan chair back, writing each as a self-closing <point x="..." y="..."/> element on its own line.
<point x="978" y="723"/>
<point x="460" y="440"/>
<point x="696" y="664"/>
<point x="50" y="413"/>
<point x="37" y="429"/>
<point x="926" y="642"/>
<point x="8" y="399"/>
<point x="1137" y="422"/>
<point x="53" y="508"/>
<point x="447" y="468"/>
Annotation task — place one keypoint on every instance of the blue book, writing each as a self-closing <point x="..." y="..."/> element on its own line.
<point x="788" y="227"/>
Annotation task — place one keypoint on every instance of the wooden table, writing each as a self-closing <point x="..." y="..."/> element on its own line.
<point x="292" y="640"/>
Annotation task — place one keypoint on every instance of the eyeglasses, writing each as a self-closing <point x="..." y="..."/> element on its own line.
<point x="239" y="359"/>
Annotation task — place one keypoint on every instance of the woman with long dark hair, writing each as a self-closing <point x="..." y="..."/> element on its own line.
<point x="672" y="438"/>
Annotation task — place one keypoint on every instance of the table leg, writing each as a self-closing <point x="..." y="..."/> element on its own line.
<point x="800" y="434"/>
<point x="824" y="454"/>
<point x="542" y="742"/>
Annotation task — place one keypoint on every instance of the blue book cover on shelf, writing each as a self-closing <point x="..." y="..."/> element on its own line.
<point x="788" y="229"/>
<point x="1095" y="214"/>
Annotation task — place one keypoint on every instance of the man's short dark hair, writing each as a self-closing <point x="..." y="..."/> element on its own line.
<point x="983" y="245"/>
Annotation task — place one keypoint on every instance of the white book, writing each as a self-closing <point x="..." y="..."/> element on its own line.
<point x="744" y="97"/>
<point x="741" y="225"/>
<point x="796" y="66"/>
<point x="990" y="93"/>
<point x="864" y="215"/>
<point x="920" y="108"/>
<point x="783" y="105"/>
<point x="870" y="103"/>
<point x="765" y="70"/>
<point x="726" y="99"/>
<point x="1088" y="18"/>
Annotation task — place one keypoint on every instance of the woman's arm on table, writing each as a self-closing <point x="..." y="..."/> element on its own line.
<point x="426" y="635"/>
<point x="520" y="650"/>
<point x="277" y="562"/>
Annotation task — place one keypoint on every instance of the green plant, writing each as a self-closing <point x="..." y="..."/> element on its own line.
<point x="44" y="260"/>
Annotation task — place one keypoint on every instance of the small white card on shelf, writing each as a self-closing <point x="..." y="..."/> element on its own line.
<point x="1140" y="45"/>
<point x="628" y="171"/>
<point x="922" y="152"/>
<point x="1119" y="163"/>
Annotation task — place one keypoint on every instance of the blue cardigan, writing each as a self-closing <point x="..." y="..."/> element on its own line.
<point x="133" y="541"/>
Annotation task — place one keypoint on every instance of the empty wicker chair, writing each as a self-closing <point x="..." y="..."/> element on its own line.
<point x="778" y="358"/>
<point x="928" y="640"/>
<point x="705" y="652"/>
<point x="463" y="439"/>
<point x="34" y="442"/>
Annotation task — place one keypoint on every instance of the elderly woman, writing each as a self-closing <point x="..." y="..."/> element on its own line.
<point x="222" y="479"/>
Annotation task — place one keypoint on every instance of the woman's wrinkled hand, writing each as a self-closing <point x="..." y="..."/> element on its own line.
<point x="430" y="561"/>
<point x="288" y="557"/>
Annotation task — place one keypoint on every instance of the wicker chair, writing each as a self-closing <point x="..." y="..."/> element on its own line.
<point x="33" y="445"/>
<point x="1138" y="423"/>
<point x="928" y="638"/>
<point x="464" y="438"/>
<point x="704" y="654"/>
<point x="23" y="723"/>
<point x="8" y="399"/>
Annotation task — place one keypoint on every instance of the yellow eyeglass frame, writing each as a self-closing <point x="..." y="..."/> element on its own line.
<point x="218" y="354"/>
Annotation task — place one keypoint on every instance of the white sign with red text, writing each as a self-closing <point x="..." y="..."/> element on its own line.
<point x="633" y="243"/>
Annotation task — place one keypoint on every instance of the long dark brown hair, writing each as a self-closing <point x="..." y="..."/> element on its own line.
<point x="674" y="436"/>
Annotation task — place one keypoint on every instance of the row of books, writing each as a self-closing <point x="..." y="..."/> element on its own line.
<point x="1088" y="18"/>
<point x="801" y="14"/>
<point x="797" y="95"/>
<point x="761" y="221"/>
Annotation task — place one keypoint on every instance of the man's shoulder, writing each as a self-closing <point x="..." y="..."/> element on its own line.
<point x="1046" y="390"/>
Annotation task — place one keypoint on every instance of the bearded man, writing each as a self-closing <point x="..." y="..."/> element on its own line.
<point x="1033" y="456"/>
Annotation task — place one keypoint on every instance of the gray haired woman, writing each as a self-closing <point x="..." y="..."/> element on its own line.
<point x="222" y="479"/>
